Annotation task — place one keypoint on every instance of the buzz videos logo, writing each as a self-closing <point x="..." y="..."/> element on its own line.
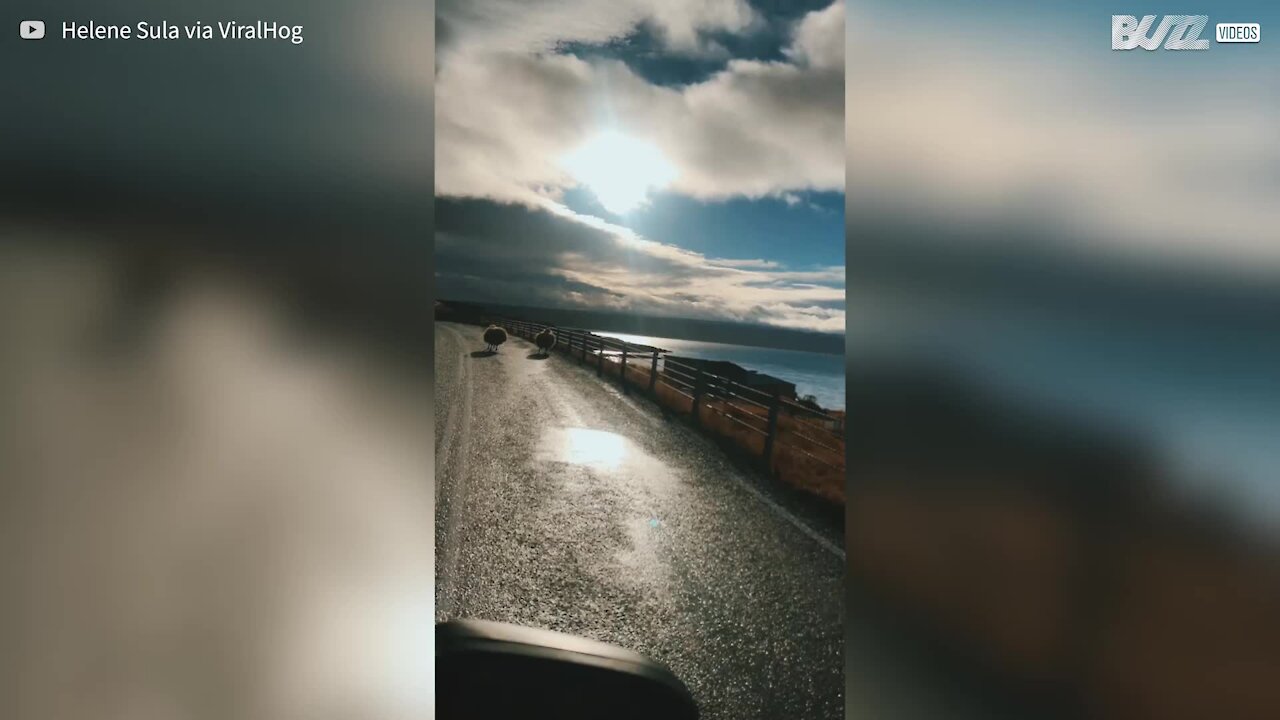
<point x="1176" y="32"/>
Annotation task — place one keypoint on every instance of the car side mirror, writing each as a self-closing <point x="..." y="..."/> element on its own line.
<point x="488" y="670"/>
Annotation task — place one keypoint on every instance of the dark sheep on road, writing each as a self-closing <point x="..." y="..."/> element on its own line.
<point x="493" y="337"/>
<point x="545" y="340"/>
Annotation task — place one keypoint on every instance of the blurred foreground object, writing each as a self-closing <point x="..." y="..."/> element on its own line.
<point x="215" y="421"/>
<point x="1064" y="308"/>
<point x="216" y="500"/>
<point x="1046" y="558"/>
<point x="498" y="670"/>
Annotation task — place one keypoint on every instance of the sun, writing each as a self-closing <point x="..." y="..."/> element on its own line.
<point x="620" y="170"/>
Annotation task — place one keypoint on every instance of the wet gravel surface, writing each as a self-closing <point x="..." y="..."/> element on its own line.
<point x="565" y="504"/>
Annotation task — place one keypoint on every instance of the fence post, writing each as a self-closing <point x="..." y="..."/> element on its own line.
<point x="653" y="373"/>
<point x="775" y="404"/>
<point x="624" y="367"/>
<point x="582" y="341"/>
<point x="600" y="358"/>
<point x="698" y="384"/>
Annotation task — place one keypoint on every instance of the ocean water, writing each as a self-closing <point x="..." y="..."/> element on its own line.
<point x="817" y="374"/>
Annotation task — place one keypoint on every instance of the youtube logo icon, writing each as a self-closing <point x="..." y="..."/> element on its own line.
<point x="31" y="29"/>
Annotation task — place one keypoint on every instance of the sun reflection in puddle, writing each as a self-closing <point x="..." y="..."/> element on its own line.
<point x="593" y="448"/>
<point x="608" y="453"/>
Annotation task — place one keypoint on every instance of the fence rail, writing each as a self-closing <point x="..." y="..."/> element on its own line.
<point x="764" y="424"/>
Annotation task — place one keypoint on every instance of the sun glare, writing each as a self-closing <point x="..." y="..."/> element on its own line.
<point x="596" y="448"/>
<point x="620" y="170"/>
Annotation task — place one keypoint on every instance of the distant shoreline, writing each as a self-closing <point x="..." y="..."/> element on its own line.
<point x="826" y="383"/>
<point x="690" y="329"/>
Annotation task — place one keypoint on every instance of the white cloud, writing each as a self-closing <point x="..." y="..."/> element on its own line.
<point x="820" y="38"/>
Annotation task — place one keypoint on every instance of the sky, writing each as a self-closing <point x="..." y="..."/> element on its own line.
<point x="656" y="157"/>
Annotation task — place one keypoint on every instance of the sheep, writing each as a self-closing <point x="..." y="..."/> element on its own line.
<point x="493" y="337"/>
<point x="545" y="340"/>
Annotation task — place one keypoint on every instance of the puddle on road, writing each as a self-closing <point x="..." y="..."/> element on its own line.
<point x="594" y="448"/>
<point x="606" y="453"/>
<point x="640" y="487"/>
<point x="602" y="451"/>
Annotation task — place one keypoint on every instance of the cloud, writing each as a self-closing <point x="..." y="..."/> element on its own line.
<point x="535" y="26"/>
<point x="508" y="110"/>
<point x="511" y="253"/>
<point x="819" y="38"/>
<point x="752" y="263"/>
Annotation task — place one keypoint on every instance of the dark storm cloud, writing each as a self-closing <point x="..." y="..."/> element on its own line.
<point x="477" y="235"/>
<point x="516" y="255"/>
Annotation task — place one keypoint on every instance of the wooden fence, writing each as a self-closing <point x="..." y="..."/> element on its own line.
<point x="797" y="444"/>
